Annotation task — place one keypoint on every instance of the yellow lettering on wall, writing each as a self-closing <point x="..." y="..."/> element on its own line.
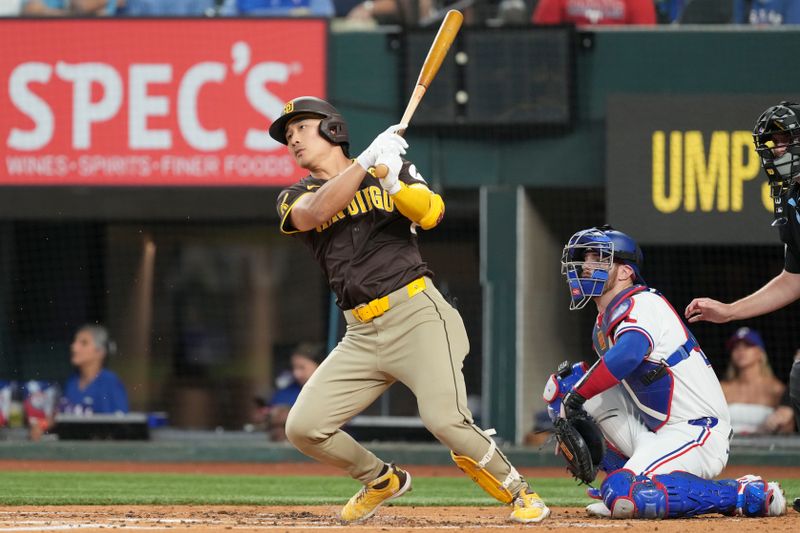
<point x="765" y="197"/>
<point x="667" y="202"/>
<point x="707" y="181"/>
<point x="745" y="166"/>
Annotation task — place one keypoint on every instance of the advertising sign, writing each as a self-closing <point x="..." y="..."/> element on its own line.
<point x="153" y="102"/>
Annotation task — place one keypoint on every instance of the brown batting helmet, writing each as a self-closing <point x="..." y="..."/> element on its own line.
<point x="333" y="127"/>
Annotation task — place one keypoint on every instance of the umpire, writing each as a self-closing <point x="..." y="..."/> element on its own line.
<point x="777" y="139"/>
<point x="363" y="233"/>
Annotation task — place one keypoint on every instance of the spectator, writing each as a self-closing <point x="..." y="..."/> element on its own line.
<point x="766" y="12"/>
<point x="93" y="389"/>
<point x="752" y="391"/>
<point x="595" y="12"/>
<point x="304" y="360"/>
<point x="178" y="8"/>
<point x="63" y="8"/>
<point x="283" y="8"/>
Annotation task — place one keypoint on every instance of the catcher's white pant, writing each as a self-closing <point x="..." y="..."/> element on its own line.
<point x="700" y="447"/>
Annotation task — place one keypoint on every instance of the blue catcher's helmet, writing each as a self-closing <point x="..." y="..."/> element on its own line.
<point x="609" y="245"/>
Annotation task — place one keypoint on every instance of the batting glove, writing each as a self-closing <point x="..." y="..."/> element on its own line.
<point x="388" y="141"/>
<point x="391" y="182"/>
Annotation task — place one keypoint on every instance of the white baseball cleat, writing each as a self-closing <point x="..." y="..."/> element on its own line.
<point x="598" y="509"/>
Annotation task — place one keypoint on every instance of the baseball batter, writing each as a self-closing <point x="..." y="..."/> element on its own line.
<point x="363" y="233"/>
<point x="653" y="393"/>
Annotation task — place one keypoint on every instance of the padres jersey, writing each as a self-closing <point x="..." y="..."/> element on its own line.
<point x="790" y="232"/>
<point x="366" y="250"/>
<point x="687" y="390"/>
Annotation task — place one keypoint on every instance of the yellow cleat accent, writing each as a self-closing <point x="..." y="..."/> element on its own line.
<point x="366" y="501"/>
<point x="528" y="508"/>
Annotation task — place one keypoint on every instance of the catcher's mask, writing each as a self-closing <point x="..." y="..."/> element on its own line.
<point x="588" y="257"/>
<point x="332" y="127"/>
<point x="777" y="139"/>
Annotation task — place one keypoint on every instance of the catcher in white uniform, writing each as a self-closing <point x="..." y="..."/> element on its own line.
<point x="656" y="399"/>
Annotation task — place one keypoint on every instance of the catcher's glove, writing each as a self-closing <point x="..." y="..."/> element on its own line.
<point x="582" y="445"/>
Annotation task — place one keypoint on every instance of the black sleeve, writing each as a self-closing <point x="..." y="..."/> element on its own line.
<point x="286" y="200"/>
<point x="791" y="259"/>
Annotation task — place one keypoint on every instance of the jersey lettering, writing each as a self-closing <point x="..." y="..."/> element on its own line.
<point x="364" y="201"/>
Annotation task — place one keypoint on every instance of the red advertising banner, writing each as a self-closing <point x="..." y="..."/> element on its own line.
<point x="153" y="102"/>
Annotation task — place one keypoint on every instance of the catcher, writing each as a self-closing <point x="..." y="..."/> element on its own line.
<point x="663" y="428"/>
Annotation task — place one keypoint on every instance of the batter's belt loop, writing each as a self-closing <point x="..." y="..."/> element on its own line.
<point x="367" y="312"/>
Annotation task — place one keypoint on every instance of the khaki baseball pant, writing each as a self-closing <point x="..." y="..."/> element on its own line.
<point x="422" y="343"/>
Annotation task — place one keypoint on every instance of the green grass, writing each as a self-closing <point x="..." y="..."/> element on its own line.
<point x="70" y="488"/>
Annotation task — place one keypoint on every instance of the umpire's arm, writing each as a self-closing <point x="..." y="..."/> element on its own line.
<point x="782" y="290"/>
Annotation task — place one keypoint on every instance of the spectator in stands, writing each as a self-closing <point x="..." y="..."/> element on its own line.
<point x="179" y="8"/>
<point x="595" y="12"/>
<point x="766" y="12"/>
<point x="93" y="389"/>
<point x="305" y="359"/>
<point x="63" y="8"/>
<point x="753" y="392"/>
<point x="291" y="8"/>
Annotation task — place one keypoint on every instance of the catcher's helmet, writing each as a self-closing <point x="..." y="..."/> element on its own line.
<point x="610" y="245"/>
<point x="333" y="127"/>
<point x="778" y="128"/>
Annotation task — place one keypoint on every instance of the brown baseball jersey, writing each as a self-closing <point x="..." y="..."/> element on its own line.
<point x="366" y="250"/>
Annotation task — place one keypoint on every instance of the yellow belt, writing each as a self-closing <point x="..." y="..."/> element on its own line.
<point x="366" y="312"/>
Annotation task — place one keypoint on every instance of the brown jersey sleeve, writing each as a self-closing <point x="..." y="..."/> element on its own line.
<point x="286" y="200"/>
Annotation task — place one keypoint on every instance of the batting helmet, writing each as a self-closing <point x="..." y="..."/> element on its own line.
<point x="610" y="245"/>
<point x="333" y="127"/>
<point x="778" y="128"/>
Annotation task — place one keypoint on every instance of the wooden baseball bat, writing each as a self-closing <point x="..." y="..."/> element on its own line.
<point x="441" y="44"/>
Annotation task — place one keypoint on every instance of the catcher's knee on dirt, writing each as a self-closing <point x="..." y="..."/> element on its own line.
<point x="630" y="496"/>
<point x="477" y="471"/>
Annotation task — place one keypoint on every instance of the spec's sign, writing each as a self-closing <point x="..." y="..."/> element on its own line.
<point x="683" y="169"/>
<point x="152" y="102"/>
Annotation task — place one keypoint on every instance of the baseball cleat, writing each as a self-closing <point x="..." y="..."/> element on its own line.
<point x="393" y="484"/>
<point x="528" y="508"/>
<point x="796" y="504"/>
<point x="598" y="510"/>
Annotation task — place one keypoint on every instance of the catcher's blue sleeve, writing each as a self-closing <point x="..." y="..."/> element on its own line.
<point x="630" y="350"/>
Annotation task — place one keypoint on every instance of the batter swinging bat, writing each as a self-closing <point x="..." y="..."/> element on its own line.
<point x="441" y="44"/>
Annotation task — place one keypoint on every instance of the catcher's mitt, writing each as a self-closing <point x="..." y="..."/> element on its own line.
<point x="582" y="445"/>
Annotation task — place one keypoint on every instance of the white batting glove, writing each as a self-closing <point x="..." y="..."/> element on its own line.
<point x="391" y="182"/>
<point x="388" y="141"/>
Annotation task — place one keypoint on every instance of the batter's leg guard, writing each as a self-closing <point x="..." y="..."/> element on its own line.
<point x="477" y="471"/>
<point x="674" y="495"/>
<point x="794" y="392"/>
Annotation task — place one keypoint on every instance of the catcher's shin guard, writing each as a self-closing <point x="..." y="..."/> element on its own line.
<point x="477" y="471"/>
<point x="675" y="495"/>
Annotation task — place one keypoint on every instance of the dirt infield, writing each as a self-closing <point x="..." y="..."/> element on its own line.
<point x="316" y="519"/>
<point x="321" y="518"/>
